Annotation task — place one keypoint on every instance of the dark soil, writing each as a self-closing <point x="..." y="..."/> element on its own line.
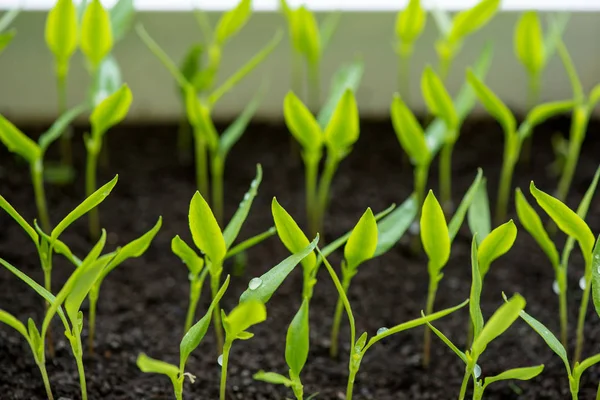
<point x="143" y="303"/>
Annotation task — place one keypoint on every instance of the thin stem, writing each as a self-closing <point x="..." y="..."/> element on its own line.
<point x="217" y="188"/>
<point x="184" y="140"/>
<point x="429" y="310"/>
<point x="90" y="187"/>
<point x="337" y="318"/>
<point x="404" y="57"/>
<point x="79" y="359"/>
<point x="445" y="165"/>
<point x="37" y="177"/>
<point x="562" y="299"/>
<point x="508" y="166"/>
<point x="215" y="281"/>
<point x="314" y="87"/>
<point x="195" y="288"/>
<point x="420" y="174"/>
<point x="578" y="128"/>
<point x="104" y="155"/>
<point x="66" y="151"/>
<point x="533" y="95"/>
<point x="93" y="298"/>
<point x="582" y="313"/>
<point x="465" y="383"/>
<point x="350" y="386"/>
<point x="42" y="367"/>
<point x="225" y="360"/>
<point x="312" y="211"/>
<point x="201" y="163"/>
<point x="324" y="185"/>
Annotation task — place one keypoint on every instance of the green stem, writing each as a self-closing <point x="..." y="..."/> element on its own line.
<point x="508" y="167"/>
<point x="337" y="318"/>
<point x="90" y="187"/>
<point x="79" y="359"/>
<point x="218" y="165"/>
<point x="66" y="151"/>
<point x="215" y="281"/>
<point x="578" y="128"/>
<point x="421" y="173"/>
<point x="312" y="211"/>
<point x="324" y="185"/>
<point x="533" y="95"/>
<point x="582" y="314"/>
<point x="184" y="140"/>
<point x="195" y="288"/>
<point x="404" y="57"/>
<point x="37" y="177"/>
<point x="465" y="383"/>
<point x="93" y="299"/>
<point x="201" y="163"/>
<point x="429" y="310"/>
<point x="445" y="165"/>
<point x="562" y="299"/>
<point x="225" y="360"/>
<point x="314" y="87"/>
<point x="350" y="386"/>
<point x="42" y="367"/>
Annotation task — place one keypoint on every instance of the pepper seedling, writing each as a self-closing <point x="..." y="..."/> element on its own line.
<point x="6" y="36"/>
<point x="513" y="135"/>
<point x="410" y="23"/>
<point x="191" y="340"/>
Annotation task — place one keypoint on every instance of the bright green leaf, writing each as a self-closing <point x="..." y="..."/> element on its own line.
<point x="343" y="129"/>
<point x="542" y="112"/>
<point x="150" y="365"/>
<point x="475" y="294"/>
<point x="493" y="104"/>
<point x="409" y="132"/>
<point x="479" y="218"/>
<point x="297" y="340"/>
<point x="17" y="142"/>
<point x="14" y="323"/>
<point x="110" y="111"/>
<point x="465" y="205"/>
<point x="438" y="99"/>
<point x="522" y="374"/>
<point x="61" y="33"/>
<point x="272" y="377"/>
<point x="232" y="21"/>
<point x="393" y="226"/>
<point x="305" y="34"/>
<point x="243" y="316"/>
<point x="362" y="243"/>
<point x="5" y="205"/>
<point x="301" y="123"/>
<point x="6" y="38"/>
<point x="434" y="234"/>
<point x="187" y="255"/>
<point x="468" y="21"/>
<point x="205" y="230"/>
<point x="497" y="243"/>
<point x="96" y="33"/>
<point x="447" y="341"/>
<point x="410" y="22"/>
<point x="346" y="77"/>
<point x="235" y="224"/>
<point x="529" y="43"/>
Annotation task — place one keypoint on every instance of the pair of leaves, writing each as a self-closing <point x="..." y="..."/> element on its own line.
<point x="233" y="21"/>
<point x="438" y="99"/>
<point x="410" y="22"/>
<point x="96" y="33"/>
<point x="410" y="132"/>
<point x="304" y="32"/>
<point x="61" y="33"/>
<point x="529" y="43"/>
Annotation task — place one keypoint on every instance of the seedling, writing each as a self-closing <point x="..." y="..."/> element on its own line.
<point x="6" y="36"/>
<point x="19" y="143"/>
<point x="188" y="344"/>
<point x="410" y="23"/>
<point x="455" y="30"/>
<point x="582" y="110"/>
<point x="513" y="136"/>
<point x="574" y="226"/>
<point x="338" y="137"/>
<point x="360" y="346"/>
<point x="308" y="41"/>
<point x="111" y="111"/>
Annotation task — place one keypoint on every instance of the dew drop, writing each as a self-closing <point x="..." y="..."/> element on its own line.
<point x="220" y="360"/>
<point x="555" y="287"/>
<point x="246" y="196"/>
<point x="254" y="184"/>
<point x="597" y="256"/>
<point x="254" y="283"/>
<point x="381" y="330"/>
<point x="414" y="228"/>
<point x="477" y="371"/>
<point x="582" y="283"/>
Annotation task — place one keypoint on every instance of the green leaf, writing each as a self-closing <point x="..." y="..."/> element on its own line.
<point x="273" y="278"/>
<point x="49" y="297"/>
<point x="493" y="104"/>
<point x="585" y="364"/>
<point x="92" y="201"/>
<point x="5" y="205"/>
<point x="250" y="242"/>
<point x="194" y="336"/>
<point x="497" y="243"/>
<point x="272" y="377"/>
<point x="61" y="33"/>
<point x="362" y="243"/>
<point x="243" y="316"/>
<point x="199" y="116"/>
<point x="438" y="99"/>
<point x="305" y="34"/>
<point x="96" y="33"/>
<point x="191" y="63"/>
<point x="393" y="226"/>
<point x="232" y="21"/>
<point x="187" y="255"/>
<point x="410" y="22"/>
<point x="542" y="112"/>
<point x="343" y="128"/>
<point x="14" y="323"/>
<point x="557" y="23"/>
<point x="235" y="225"/>
<point x="499" y="322"/>
<point x="533" y="224"/>
<point x="529" y="43"/>
<point x="297" y="341"/>
<point x="150" y="365"/>
<point x="447" y="341"/>
<point x="205" y="230"/>
<point x="465" y="205"/>
<point x="301" y="123"/>
<point x="409" y="132"/>
<point x="594" y="96"/>
<point x="17" y="142"/>
<point x="346" y="77"/>
<point x="106" y="81"/>
<point x="60" y="126"/>
<point x="566" y="219"/>
<point x="6" y="38"/>
<point x="434" y="234"/>
<point x="468" y="21"/>
<point x="291" y="235"/>
<point x="110" y="111"/>
<point x="121" y="18"/>
<point x="522" y="374"/>
<point x="475" y="294"/>
<point x="596" y="276"/>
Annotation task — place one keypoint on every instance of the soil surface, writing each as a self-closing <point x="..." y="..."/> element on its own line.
<point x="143" y="303"/>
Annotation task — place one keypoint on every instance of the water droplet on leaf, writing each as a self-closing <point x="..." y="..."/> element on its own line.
<point x="477" y="371"/>
<point x="246" y="196"/>
<point x="254" y="283"/>
<point x="582" y="283"/>
<point x="381" y="330"/>
<point x="555" y="287"/>
<point x="220" y="360"/>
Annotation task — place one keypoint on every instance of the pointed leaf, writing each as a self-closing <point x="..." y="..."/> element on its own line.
<point x="6" y="38"/>
<point x="465" y="204"/>
<point x="49" y="297"/>
<point x="243" y="316"/>
<point x="111" y="111"/>
<point x="475" y="294"/>
<point x="542" y="112"/>
<point x="438" y="99"/>
<point x="497" y="243"/>
<point x="297" y="340"/>
<point x="14" y="323"/>
<point x="343" y="128"/>
<point x="596" y="276"/>
<point x="529" y="43"/>
<point x="301" y="123"/>
<point x="96" y="34"/>
<point x="305" y="34"/>
<point x="235" y="225"/>
<point x="232" y="21"/>
<point x="522" y="374"/>
<point x="5" y="205"/>
<point x="447" y="341"/>
<point x="409" y="132"/>
<point x="410" y="22"/>
<point x="61" y="33"/>
<point x="121" y="18"/>
<point x="346" y="77"/>
<point x="393" y="226"/>
<point x="107" y="80"/>
<point x="60" y="126"/>
<point x="162" y="56"/>
<point x="468" y="21"/>
<point x="434" y="234"/>
<point x="362" y="243"/>
<point x="480" y="221"/>
<point x="150" y="365"/>
<point x="272" y="377"/>
<point x="291" y="235"/>
<point x="205" y="230"/>
<point x="17" y="142"/>
<point x="187" y="255"/>
<point x="594" y="97"/>
<point x="493" y="104"/>
<point x="273" y="278"/>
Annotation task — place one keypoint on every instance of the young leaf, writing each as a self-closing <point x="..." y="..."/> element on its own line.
<point x="194" y="336"/>
<point x="465" y="205"/>
<point x="475" y="294"/>
<point x="434" y="232"/>
<point x="447" y="341"/>
<point x="242" y="317"/>
<point x="96" y="33"/>
<point x="49" y="297"/>
<point x="567" y="220"/>
<point x="272" y="377"/>
<point x="297" y="340"/>
<point x="497" y="243"/>
<point x="542" y="112"/>
<point x="5" y="205"/>
<point x="409" y="132"/>
<point x="106" y="81"/>
<point x="391" y="227"/>
<point x="150" y="365"/>
<point x="301" y="123"/>
<point x="410" y="22"/>
<point x="290" y="234"/>
<point x="499" y="322"/>
<point x="529" y="43"/>
<point x="362" y="243"/>
<point x="522" y="374"/>
<point x="92" y="201"/>
<point x="121" y="18"/>
<point x="305" y="34"/>
<point x="205" y="230"/>
<point x="6" y="38"/>
<point x="187" y="255"/>
<point x="60" y="125"/>
<point x="493" y="104"/>
<point x="232" y="21"/>
<point x="273" y="278"/>
<point x="111" y="111"/>
<point x="533" y="224"/>
<point x="346" y="77"/>
<point x="17" y="142"/>
<point x="14" y="323"/>
<point x="235" y="224"/>
<point x="437" y="98"/>
<point x="596" y="276"/>
<point x="61" y="33"/>
<point x="343" y="128"/>
<point x="468" y="21"/>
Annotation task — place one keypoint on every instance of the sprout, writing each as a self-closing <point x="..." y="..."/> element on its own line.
<point x="410" y="23"/>
<point x="6" y="36"/>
